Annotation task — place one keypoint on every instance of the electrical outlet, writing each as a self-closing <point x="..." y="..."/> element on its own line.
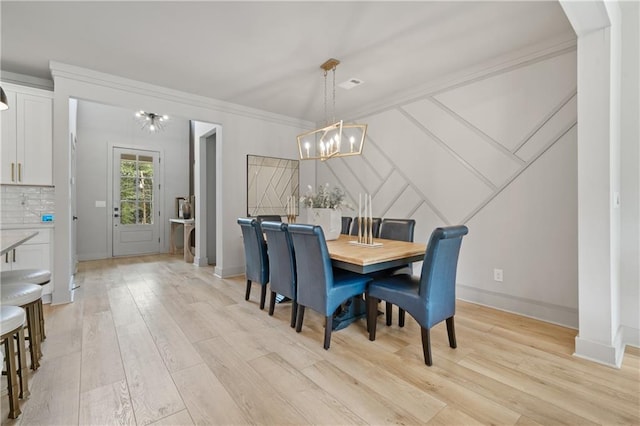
<point x="497" y="275"/>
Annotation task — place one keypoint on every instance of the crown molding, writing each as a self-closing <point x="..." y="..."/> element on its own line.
<point x="75" y="73"/>
<point x="26" y="80"/>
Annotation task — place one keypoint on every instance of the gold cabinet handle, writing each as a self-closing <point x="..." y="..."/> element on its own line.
<point x="19" y="172"/>
<point x="13" y="172"/>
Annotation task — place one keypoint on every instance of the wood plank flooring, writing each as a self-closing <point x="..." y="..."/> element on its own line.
<point x="155" y="341"/>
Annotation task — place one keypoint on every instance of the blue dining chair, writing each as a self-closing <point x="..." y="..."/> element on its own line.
<point x="429" y="299"/>
<point x="346" y="225"/>
<point x="401" y="230"/>
<point x="282" y="265"/>
<point x="255" y="256"/>
<point x="320" y="286"/>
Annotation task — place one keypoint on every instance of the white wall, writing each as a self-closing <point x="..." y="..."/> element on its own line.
<point x="244" y="131"/>
<point x="630" y="173"/>
<point x="496" y="152"/>
<point x="99" y="128"/>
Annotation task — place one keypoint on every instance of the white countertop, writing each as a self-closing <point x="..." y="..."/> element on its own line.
<point x="10" y="239"/>
<point x="42" y="225"/>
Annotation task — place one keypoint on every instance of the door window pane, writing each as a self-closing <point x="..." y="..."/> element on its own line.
<point x="136" y="189"/>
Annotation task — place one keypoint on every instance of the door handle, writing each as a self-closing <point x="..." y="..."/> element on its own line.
<point x="116" y="215"/>
<point x="75" y="217"/>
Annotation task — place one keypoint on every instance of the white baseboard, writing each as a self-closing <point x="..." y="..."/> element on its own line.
<point x="630" y="336"/>
<point x="600" y="352"/>
<point x="228" y="272"/>
<point x="201" y="261"/>
<point x="92" y="256"/>
<point x="548" y="312"/>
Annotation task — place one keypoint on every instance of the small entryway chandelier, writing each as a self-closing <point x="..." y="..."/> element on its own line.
<point x="333" y="140"/>
<point x="151" y="121"/>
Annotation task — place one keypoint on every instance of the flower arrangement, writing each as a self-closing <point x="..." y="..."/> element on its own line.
<point x="324" y="198"/>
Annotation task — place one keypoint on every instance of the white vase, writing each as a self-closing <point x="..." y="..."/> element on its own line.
<point x="329" y="219"/>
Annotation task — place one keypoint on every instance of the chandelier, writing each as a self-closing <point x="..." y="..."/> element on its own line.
<point x="336" y="138"/>
<point x="151" y="121"/>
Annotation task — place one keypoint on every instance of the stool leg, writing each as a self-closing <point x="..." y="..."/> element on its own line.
<point x="22" y="366"/>
<point x="33" y="340"/>
<point x="41" y="316"/>
<point x="12" y="381"/>
<point x="36" y="316"/>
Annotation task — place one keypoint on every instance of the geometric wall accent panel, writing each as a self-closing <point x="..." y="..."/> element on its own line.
<point x="438" y="174"/>
<point x="566" y="117"/>
<point x="443" y="156"/>
<point x="507" y="106"/>
<point x="491" y="160"/>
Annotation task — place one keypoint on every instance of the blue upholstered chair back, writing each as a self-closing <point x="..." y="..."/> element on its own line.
<point x="397" y="229"/>
<point x="313" y="265"/>
<point x="346" y="224"/>
<point x="268" y="218"/>
<point x="376" y="226"/>
<point x="282" y="263"/>
<point x="255" y="251"/>
<point x="438" y="278"/>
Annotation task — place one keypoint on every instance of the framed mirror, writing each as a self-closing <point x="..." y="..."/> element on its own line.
<point x="270" y="184"/>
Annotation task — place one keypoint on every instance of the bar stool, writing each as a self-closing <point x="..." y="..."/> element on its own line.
<point x="12" y="319"/>
<point x="32" y="276"/>
<point x="26" y="296"/>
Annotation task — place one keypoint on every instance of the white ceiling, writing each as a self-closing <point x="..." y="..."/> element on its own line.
<point x="267" y="55"/>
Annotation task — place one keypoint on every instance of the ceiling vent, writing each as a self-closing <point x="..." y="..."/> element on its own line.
<point x="351" y="83"/>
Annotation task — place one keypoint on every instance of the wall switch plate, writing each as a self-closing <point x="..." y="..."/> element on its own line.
<point x="101" y="204"/>
<point x="497" y="275"/>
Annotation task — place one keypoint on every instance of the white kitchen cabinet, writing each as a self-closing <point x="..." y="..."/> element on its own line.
<point x="27" y="137"/>
<point x="35" y="253"/>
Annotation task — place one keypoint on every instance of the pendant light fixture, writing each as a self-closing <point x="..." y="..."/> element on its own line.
<point x="336" y="138"/>
<point x="151" y="121"/>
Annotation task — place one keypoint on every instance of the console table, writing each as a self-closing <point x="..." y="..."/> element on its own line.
<point x="189" y="227"/>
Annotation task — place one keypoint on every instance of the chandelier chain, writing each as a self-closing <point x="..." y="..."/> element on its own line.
<point x="334" y="94"/>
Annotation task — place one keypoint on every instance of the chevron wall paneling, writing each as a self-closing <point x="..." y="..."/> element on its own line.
<point x="498" y="153"/>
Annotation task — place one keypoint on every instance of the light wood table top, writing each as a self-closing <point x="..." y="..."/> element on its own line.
<point x="364" y="260"/>
<point x="13" y="238"/>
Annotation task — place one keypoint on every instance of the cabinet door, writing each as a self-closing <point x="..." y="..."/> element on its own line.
<point x="34" y="140"/>
<point x="8" y="165"/>
<point x="30" y="256"/>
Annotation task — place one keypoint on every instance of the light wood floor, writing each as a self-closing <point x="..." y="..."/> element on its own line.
<point x="153" y="340"/>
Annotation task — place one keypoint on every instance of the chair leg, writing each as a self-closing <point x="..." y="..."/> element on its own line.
<point x="426" y="346"/>
<point x="300" y="318"/>
<point x="248" y="292"/>
<point x="451" y="331"/>
<point x="400" y="317"/>
<point x="389" y="307"/>
<point x="294" y="312"/>
<point x="22" y="366"/>
<point x="12" y="379"/>
<point x="328" y="327"/>
<point x="372" y="316"/>
<point x="272" y="302"/>
<point x="263" y="295"/>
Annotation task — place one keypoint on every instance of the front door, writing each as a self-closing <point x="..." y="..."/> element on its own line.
<point x="136" y="207"/>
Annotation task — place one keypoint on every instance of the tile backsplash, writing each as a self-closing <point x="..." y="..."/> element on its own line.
<point x="25" y="204"/>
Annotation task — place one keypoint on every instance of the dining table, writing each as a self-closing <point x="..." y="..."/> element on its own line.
<point x="346" y="253"/>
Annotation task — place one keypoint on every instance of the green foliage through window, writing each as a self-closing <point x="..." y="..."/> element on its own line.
<point x="136" y="189"/>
